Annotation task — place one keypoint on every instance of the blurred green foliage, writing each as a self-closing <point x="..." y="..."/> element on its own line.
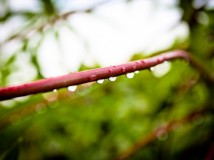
<point x="101" y="121"/>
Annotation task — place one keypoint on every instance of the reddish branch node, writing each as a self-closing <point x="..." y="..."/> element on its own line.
<point x="77" y="78"/>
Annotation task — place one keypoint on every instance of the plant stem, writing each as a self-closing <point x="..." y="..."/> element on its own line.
<point x="169" y="127"/>
<point x="77" y="78"/>
<point x="50" y="23"/>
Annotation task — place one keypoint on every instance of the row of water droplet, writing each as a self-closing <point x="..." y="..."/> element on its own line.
<point x="100" y="81"/>
<point x="112" y="79"/>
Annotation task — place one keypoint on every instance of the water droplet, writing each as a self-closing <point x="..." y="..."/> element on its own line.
<point x="92" y="77"/>
<point x="162" y="134"/>
<point x="110" y="70"/>
<point x="72" y="88"/>
<point x="55" y="90"/>
<point x="158" y="60"/>
<point x="136" y="72"/>
<point x="130" y="75"/>
<point x="138" y="63"/>
<point x="165" y="62"/>
<point x="100" y="81"/>
<point x="112" y="79"/>
<point x="142" y="61"/>
<point x="123" y="69"/>
<point x="134" y="68"/>
<point x="152" y="68"/>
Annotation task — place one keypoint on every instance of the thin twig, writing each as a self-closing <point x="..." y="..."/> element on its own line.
<point x="157" y="132"/>
<point x="51" y="22"/>
<point x="77" y="78"/>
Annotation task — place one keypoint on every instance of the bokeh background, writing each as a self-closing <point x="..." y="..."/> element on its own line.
<point x="162" y="113"/>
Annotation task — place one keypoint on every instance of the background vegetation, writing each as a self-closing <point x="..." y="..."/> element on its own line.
<point x="146" y="117"/>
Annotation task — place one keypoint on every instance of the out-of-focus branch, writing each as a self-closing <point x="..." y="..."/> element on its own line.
<point x="159" y="132"/>
<point x="25" y="35"/>
<point x="77" y="78"/>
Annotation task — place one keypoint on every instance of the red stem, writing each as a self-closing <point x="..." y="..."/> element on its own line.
<point x="77" y="78"/>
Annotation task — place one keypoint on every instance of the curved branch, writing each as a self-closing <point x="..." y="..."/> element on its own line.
<point x="77" y="78"/>
<point x="152" y="136"/>
<point x="51" y="22"/>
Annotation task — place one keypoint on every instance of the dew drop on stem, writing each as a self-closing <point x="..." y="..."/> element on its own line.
<point x="72" y="88"/>
<point x="136" y="72"/>
<point x="55" y="90"/>
<point x="152" y="68"/>
<point x="123" y="69"/>
<point x="110" y="70"/>
<point x="134" y="68"/>
<point x="100" y="81"/>
<point x="159" y="60"/>
<point x="137" y="63"/>
<point x="142" y="61"/>
<point x="92" y="77"/>
<point x="130" y="75"/>
<point x="112" y="79"/>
